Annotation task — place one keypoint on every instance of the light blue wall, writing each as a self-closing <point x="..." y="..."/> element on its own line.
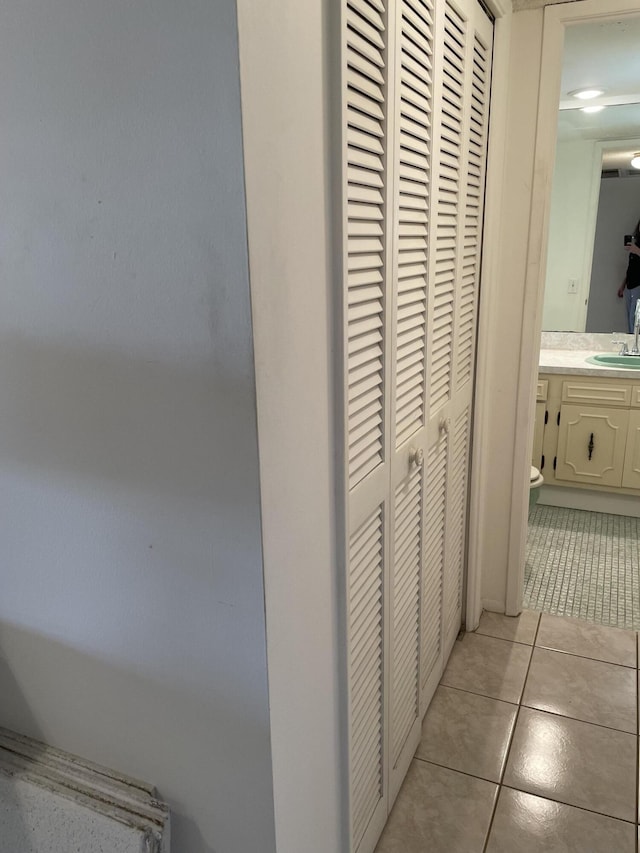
<point x="132" y="606"/>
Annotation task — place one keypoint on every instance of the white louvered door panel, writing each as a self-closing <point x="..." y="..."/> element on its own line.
<point x="431" y="645"/>
<point x="366" y="317"/>
<point x="415" y="90"/>
<point x="448" y="177"/>
<point x="410" y="171"/>
<point x="463" y="60"/>
<point x="407" y="558"/>
<point x="366" y="665"/>
<point x="477" y="115"/>
<point x="365" y="93"/>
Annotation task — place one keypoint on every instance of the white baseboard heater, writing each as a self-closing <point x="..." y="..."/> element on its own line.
<point x="54" y="802"/>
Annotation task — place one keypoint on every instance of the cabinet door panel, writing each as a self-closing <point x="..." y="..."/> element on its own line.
<point x="591" y="445"/>
<point x="631" y="474"/>
<point x="538" y="435"/>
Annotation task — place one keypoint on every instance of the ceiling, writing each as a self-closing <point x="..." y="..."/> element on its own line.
<point x="603" y="55"/>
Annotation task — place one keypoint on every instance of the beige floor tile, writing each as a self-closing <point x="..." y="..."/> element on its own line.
<point x="588" y="640"/>
<point x="467" y="732"/>
<point x="519" y="629"/>
<point x="439" y="811"/>
<point x="574" y="762"/>
<point x="588" y="690"/>
<point x="529" y="824"/>
<point x="490" y="667"/>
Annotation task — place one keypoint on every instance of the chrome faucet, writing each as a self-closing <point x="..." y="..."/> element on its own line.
<point x="624" y="349"/>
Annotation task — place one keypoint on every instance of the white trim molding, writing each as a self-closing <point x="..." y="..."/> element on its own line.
<point x="480" y="475"/>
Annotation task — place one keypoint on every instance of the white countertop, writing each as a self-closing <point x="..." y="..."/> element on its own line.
<point x="575" y="361"/>
<point x="567" y="352"/>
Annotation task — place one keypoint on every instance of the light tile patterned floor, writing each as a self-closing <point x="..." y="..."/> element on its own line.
<point x="584" y="564"/>
<point x="542" y="759"/>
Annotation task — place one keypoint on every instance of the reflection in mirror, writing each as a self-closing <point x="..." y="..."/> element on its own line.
<point x="596" y="192"/>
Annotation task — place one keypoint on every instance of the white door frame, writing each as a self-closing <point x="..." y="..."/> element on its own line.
<point x="479" y="478"/>
<point x="556" y="18"/>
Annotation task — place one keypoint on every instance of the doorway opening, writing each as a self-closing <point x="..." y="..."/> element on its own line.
<point x="582" y="557"/>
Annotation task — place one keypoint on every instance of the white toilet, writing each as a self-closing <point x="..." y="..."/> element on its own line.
<point x="534" y="485"/>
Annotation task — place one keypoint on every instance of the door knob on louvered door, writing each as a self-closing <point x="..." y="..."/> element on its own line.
<point x="416" y="457"/>
<point x="443" y="426"/>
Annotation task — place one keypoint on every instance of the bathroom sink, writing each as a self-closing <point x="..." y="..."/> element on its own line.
<point x="607" y="359"/>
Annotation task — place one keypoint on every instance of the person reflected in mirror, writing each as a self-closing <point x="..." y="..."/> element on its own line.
<point x="630" y="287"/>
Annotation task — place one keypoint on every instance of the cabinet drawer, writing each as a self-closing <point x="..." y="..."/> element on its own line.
<point x="635" y="396"/>
<point x="601" y="393"/>
<point x="543" y="388"/>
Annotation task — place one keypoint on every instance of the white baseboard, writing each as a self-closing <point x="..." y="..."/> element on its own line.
<point x="592" y="501"/>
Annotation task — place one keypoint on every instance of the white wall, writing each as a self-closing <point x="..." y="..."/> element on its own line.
<point x="287" y="62"/>
<point x="132" y="606"/>
<point x="618" y="213"/>
<point x="571" y="227"/>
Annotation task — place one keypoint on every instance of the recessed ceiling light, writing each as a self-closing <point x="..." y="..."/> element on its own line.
<point x="594" y="109"/>
<point x="586" y="94"/>
<point x="636" y="161"/>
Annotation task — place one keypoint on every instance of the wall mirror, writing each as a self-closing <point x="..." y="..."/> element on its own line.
<point x="596" y="192"/>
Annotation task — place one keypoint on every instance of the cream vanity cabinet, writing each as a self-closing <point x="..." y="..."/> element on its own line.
<point x="590" y="433"/>
<point x="631" y="473"/>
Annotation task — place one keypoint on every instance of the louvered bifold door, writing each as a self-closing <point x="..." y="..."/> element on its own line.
<point x="461" y="96"/>
<point x="366" y="319"/>
<point x="414" y="95"/>
<point x="409" y="174"/>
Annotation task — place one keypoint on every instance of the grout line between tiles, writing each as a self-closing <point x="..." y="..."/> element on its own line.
<point x="563" y="803"/>
<point x="586" y="657"/>
<point x="509" y="744"/>
<point x="476" y="693"/>
<point x="456" y="770"/>
<point x="579" y="720"/>
<point x="502" y="639"/>
<point x="484" y="695"/>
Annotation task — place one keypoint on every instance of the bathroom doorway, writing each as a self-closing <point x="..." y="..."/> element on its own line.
<point x="582" y="555"/>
